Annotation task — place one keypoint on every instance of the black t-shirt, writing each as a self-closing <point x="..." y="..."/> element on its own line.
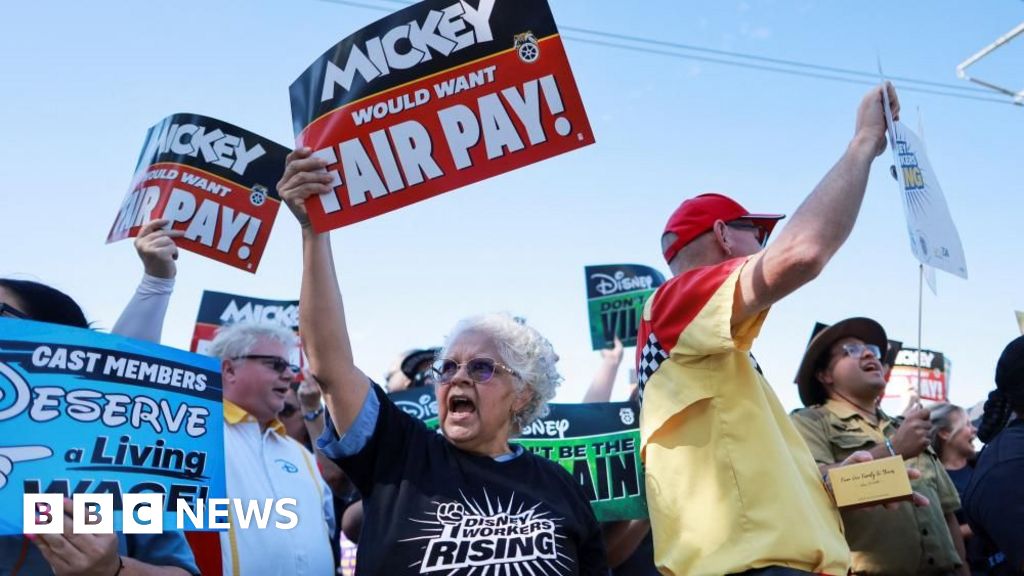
<point x="994" y="500"/>
<point x="978" y="553"/>
<point x="430" y="508"/>
<point x="961" y="479"/>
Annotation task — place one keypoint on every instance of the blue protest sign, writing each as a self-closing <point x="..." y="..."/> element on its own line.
<point x="88" y="413"/>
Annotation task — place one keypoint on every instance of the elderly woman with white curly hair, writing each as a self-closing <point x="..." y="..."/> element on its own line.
<point x="465" y="501"/>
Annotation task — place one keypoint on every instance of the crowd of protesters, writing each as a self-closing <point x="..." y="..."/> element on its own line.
<point x="735" y="484"/>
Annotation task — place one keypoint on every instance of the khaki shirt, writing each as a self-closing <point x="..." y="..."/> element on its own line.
<point x="906" y="541"/>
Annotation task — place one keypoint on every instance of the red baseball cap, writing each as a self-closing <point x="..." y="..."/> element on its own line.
<point x="697" y="215"/>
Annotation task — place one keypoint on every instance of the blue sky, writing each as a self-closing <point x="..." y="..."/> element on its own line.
<point x="81" y="83"/>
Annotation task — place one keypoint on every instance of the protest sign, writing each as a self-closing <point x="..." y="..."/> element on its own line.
<point x="598" y="443"/>
<point x="218" y="309"/>
<point x="90" y="413"/>
<point x="934" y="239"/>
<point x="420" y="403"/>
<point x="215" y="181"/>
<point x="934" y="384"/>
<point x="434" y="97"/>
<point x="616" y="294"/>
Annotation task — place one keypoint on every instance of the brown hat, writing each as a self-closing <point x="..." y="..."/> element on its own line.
<point x="812" y="391"/>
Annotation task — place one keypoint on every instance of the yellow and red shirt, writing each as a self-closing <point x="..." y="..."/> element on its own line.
<point x="731" y="484"/>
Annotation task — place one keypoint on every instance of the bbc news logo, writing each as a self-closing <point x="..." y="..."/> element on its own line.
<point x="143" y="513"/>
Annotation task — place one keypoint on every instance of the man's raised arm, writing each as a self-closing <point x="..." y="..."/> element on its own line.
<point x="824" y="220"/>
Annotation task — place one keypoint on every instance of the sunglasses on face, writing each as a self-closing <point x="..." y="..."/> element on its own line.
<point x="479" y="370"/>
<point x="760" y="232"/>
<point x="275" y="363"/>
<point x="857" y="350"/>
<point x="8" y="311"/>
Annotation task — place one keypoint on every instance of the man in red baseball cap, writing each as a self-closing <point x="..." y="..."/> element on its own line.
<point x="701" y="213"/>
<point x="731" y="485"/>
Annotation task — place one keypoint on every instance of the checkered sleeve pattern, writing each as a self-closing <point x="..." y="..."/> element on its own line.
<point x="651" y="357"/>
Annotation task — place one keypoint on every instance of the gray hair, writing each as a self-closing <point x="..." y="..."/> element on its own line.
<point x="524" y="350"/>
<point x="239" y="339"/>
<point x="941" y="416"/>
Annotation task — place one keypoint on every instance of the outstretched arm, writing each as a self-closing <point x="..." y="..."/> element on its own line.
<point x="143" y="317"/>
<point x="601" y="388"/>
<point x="824" y="220"/>
<point x="321" y="313"/>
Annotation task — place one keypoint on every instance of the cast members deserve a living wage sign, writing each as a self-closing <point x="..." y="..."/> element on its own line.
<point x="89" y="413"/>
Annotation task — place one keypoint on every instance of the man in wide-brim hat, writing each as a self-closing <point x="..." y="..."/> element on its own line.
<point x="841" y="378"/>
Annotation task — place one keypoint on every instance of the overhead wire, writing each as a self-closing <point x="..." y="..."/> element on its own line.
<point x="736" y="59"/>
<point x="680" y="46"/>
<point x="761" y="67"/>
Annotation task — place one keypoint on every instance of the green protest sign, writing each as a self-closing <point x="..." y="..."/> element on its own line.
<point x="599" y="444"/>
<point x="420" y="403"/>
<point x="616" y="294"/>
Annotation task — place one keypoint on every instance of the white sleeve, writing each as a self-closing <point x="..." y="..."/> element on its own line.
<point x="143" y="317"/>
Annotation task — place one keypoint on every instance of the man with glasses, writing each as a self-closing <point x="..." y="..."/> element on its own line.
<point x="410" y="370"/>
<point x="841" y="378"/>
<point x="731" y="486"/>
<point x="264" y="462"/>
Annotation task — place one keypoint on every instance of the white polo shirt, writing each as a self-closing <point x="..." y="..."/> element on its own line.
<point x="270" y="464"/>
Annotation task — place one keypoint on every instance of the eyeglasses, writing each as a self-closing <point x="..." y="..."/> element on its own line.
<point x="857" y="350"/>
<point x="424" y="377"/>
<point x="760" y="232"/>
<point x="275" y="363"/>
<point x="11" y="312"/>
<point x="479" y="370"/>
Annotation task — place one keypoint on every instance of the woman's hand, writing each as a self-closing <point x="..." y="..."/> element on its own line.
<point x="304" y="176"/>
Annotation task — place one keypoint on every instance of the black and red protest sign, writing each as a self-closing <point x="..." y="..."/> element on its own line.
<point x="433" y="97"/>
<point x="218" y="309"/>
<point x="215" y="181"/>
<point x="925" y="373"/>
